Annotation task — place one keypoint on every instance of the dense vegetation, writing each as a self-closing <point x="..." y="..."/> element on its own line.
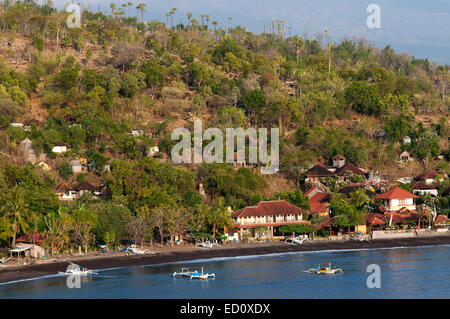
<point x="116" y="74"/>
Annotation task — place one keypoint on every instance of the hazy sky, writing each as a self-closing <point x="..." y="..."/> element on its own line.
<point x="418" y="27"/>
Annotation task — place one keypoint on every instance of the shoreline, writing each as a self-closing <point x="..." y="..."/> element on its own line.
<point x="23" y="272"/>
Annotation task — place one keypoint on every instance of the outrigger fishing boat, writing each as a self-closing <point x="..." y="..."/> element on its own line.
<point x="323" y="270"/>
<point x="193" y="274"/>
<point x="74" y="269"/>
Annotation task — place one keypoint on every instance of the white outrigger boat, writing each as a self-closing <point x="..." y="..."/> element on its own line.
<point x="139" y="251"/>
<point x="74" y="269"/>
<point x="185" y="273"/>
<point x="324" y="270"/>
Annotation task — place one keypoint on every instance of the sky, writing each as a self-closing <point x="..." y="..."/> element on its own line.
<point x="420" y="28"/>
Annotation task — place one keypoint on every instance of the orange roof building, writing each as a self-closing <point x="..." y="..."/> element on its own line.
<point x="397" y="198"/>
<point x="269" y="214"/>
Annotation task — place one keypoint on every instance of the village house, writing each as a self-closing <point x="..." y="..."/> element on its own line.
<point x="403" y="156"/>
<point x="347" y="172"/>
<point x="76" y="165"/>
<point x="270" y="214"/>
<point x="338" y="161"/>
<point x="397" y="198"/>
<point x="318" y="201"/>
<point x="152" y="150"/>
<point x="66" y="192"/>
<point x="422" y="188"/>
<point x="318" y="174"/>
<point x="59" y="148"/>
<point x="30" y="245"/>
<point x="429" y="177"/>
<point x="87" y="188"/>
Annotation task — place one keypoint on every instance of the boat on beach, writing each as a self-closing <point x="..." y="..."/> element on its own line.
<point x="185" y="273"/>
<point x="74" y="269"/>
<point x="324" y="270"/>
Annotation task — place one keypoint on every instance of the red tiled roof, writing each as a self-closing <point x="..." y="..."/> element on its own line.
<point x="269" y="208"/>
<point x="349" y="167"/>
<point x="350" y="189"/>
<point x="396" y="193"/>
<point x="338" y="156"/>
<point x="309" y="191"/>
<point x="64" y="187"/>
<point x="427" y="175"/>
<point x="441" y="218"/>
<point x="327" y="223"/>
<point x="319" y="171"/>
<point x="376" y="221"/>
<point x="423" y="185"/>
<point x="318" y="203"/>
<point x="274" y="224"/>
<point x="38" y="238"/>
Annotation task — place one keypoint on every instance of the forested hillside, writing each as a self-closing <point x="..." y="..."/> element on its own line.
<point x="116" y="87"/>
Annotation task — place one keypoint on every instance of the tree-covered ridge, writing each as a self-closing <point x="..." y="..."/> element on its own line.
<point x="91" y="86"/>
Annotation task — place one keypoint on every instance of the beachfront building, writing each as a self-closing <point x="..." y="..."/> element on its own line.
<point x="318" y="204"/>
<point x="397" y="198"/>
<point x="268" y="214"/>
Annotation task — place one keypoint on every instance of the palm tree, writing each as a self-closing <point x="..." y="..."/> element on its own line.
<point x="359" y="198"/>
<point x="219" y="217"/>
<point x="113" y="8"/>
<point x="229" y="20"/>
<point x="141" y="8"/>
<point x="298" y="44"/>
<point x="329" y="51"/>
<point x="172" y="13"/>
<point x="214" y="23"/>
<point x="16" y="209"/>
<point x="189" y="16"/>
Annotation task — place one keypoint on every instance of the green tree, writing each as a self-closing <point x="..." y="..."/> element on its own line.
<point x="15" y="209"/>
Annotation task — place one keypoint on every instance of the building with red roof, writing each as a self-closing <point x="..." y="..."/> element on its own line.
<point x="429" y="177"/>
<point x="317" y="174"/>
<point x="270" y="214"/>
<point x="397" y="198"/>
<point x="348" y="170"/>
<point x="319" y="204"/>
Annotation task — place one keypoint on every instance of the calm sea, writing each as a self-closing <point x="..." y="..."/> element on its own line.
<point x="419" y="272"/>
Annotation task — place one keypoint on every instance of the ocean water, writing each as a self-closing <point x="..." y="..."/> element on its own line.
<point x="414" y="272"/>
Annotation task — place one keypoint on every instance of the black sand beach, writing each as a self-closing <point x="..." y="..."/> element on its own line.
<point x="14" y="273"/>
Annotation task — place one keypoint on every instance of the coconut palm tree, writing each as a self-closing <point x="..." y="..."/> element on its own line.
<point x="141" y="8"/>
<point x="16" y="210"/>
<point x="219" y="217"/>
<point x="113" y="8"/>
<point x="214" y="23"/>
